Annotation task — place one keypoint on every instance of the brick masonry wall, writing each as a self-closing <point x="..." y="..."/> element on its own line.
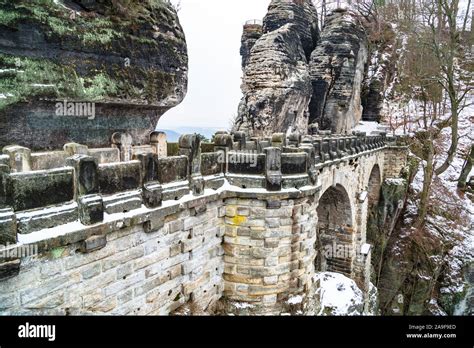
<point x="396" y="159"/>
<point x="269" y="252"/>
<point x="136" y="273"/>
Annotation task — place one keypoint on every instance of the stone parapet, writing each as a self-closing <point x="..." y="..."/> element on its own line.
<point x="243" y="236"/>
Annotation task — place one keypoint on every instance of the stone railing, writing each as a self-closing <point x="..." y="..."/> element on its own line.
<point x="43" y="190"/>
<point x="254" y="22"/>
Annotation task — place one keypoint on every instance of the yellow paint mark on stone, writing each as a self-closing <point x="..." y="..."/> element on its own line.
<point x="239" y="220"/>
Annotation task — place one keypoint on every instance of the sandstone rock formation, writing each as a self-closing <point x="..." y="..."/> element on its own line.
<point x="129" y="58"/>
<point x="276" y="96"/>
<point x="337" y="69"/>
<point x="252" y="32"/>
<point x="276" y="83"/>
<point x="381" y="70"/>
<point x="301" y="13"/>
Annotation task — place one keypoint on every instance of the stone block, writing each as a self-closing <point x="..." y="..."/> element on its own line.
<point x="85" y="174"/>
<point x="123" y="142"/>
<point x="172" y="169"/>
<point x="212" y="163"/>
<point x="72" y="149"/>
<point x="176" y="226"/>
<point x="214" y="183"/>
<point x="158" y="141"/>
<point x="93" y="243"/>
<point x="273" y="204"/>
<point x="149" y="166"/>
<point x="278" y="140"/>
<point x="272" y="242"/>
<point x="123" y="202"/>
<point x="241" y="139"/>
<point x="272" y="222"/>
<point x="152" y="194"/>
<point x="119" y="177"/>
<point x="36" y="220"/>
<point x="8" y="226"/>
<point x="91" y="209"/>
<point x="247" y="182"/>
<point x="4" y="171"/>
<point x="20" y="158"/>
<point x="273" y="169"/>
<point x="190" y="146"/>
<point x="40" y="188"/>
<point x="9" y="269"/>
<point x="154" y="224"/>
<point x="223" y="141"/>
<point x="105" y="155"/>
<point x="175" y="250"/>
<point x="191" y="244"/>
<point x="199" y="210"/>
<point x="175" y="192"/>
<point x="294" y="163"/>
<point x="5" y="160"/>
<point x="91" y="271"/>
<point x="197" y="185"/>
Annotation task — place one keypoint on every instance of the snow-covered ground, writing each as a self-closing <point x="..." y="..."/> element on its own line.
<point x="371" y="127"/>
<point x="338" y="295"/>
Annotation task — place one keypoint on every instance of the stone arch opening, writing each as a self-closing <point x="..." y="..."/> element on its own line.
<point x="373" y="189"/>
<point x="374" y="234"/>
<point x="335" y="231"/>
<point x="373" y="197"/>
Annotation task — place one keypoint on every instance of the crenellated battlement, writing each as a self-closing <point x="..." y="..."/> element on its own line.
<point x="205" y="204"/>
<point x="32" y="181"/>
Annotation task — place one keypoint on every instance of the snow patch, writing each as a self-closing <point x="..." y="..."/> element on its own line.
<point x="338" y="295"/>
<point x="370" y="127"/>
<point x="396" y="182"/>
<point x="295" y="300"/>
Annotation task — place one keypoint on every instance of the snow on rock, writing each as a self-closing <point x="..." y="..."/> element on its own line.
<point x="435" y="308"/>
<point x="295" y="300"/>
<point x="338" y="295"/>
<point x="396" y="182"/>
<point x="373" y="308"/>
<point x="370" y="127"/>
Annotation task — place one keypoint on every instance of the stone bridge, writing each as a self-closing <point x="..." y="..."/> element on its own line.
<point x="236" y="226"/>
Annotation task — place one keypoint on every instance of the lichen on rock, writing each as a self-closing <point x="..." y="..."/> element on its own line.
<point x="113" y="53"/>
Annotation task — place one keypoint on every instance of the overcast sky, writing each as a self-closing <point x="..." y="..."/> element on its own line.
<point x="213" y="30"/>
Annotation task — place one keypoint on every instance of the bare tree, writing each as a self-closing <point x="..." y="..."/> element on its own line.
<point x="466" y="16"/>
<point x="445" y="40"/>
<point x="466" y="169"/>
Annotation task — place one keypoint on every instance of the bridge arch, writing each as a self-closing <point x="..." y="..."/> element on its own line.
<point x="335" y="231"/>
<point x="374" y="235"/>
<point x="374" y="187"/>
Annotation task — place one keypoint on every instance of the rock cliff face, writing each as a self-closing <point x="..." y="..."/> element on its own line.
<point x="337" y="69"/>
<point x="381" y="70"/>
<point x="301" y="13"/>
<point x="252" y="32"/>
<point x="127" y="59"/>
<point x="276" y="84"/>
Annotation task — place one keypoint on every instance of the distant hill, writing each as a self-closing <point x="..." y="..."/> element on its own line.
<point x="173" y="134"/>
